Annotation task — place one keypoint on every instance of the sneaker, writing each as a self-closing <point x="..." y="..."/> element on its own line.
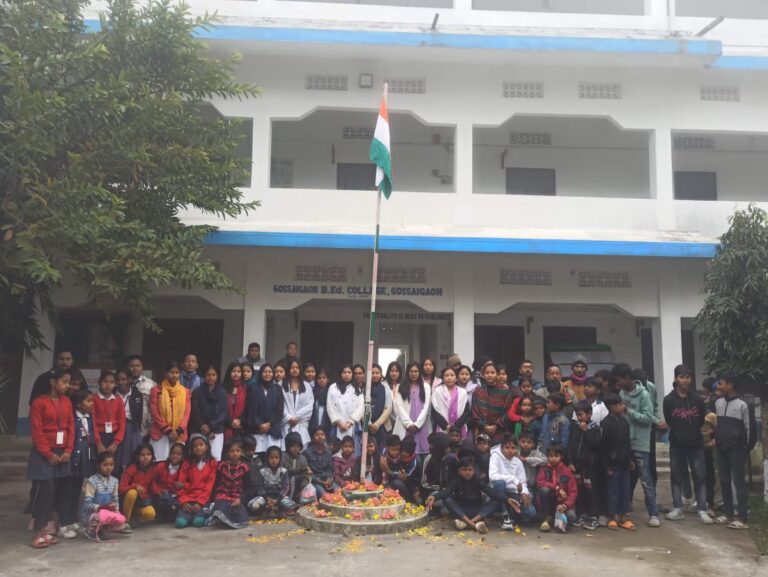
<point x="126" y="530"/>
<point x="507" y="524"/>
<point x="590" y="524"/>
<point x="704" y="517"/>
<point x="654" y="522"/>
<point x="688" y="503"/>
<point x="66" y="532"/>
<point x="675" y="515"/>
<point x="459" y="524"/>
<point x="662" y="508"/>
<point x="544" y="527"/>
<point x="602" y="521"/>
<point x="481" y="527"/>
<point x="580" y="521"/>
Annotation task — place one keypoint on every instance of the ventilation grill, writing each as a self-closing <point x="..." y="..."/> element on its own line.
<point x="720" y="93"/>
<point x="604" y="280"/>
<point x="357" y="133"/>
<point x="683" y="142"/>
<point x="321" y="273"/>
<point x="525" y="277"/>
<point x="410" y="275"/>
<point x="281" y="173"/>
<point x="530" y="139"/>
<point x="336" y="83"/>
<point x="407" y="85"/>
<point x="599" y="91"/>
<point x="523" y="90"/>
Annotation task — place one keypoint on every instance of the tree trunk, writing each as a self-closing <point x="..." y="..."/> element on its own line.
<point x="764" y="427"/>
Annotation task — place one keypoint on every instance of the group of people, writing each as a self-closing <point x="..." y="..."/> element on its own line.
<point x="200" y="448"/>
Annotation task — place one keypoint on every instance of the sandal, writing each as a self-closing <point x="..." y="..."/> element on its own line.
<point x="721" y="520"/>
<point x="51" y="540"/>
<point x="39" y="543"/>
<point x="737" y="524"/>
<point x="628" y="525"/>
<point x="612" y="525"/>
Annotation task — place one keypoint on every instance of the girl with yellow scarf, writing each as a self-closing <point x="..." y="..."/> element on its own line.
<point x="170" y="405"/>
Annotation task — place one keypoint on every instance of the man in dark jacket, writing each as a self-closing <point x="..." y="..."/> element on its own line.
<point x="684" y="413"/>
<point x="616" y="459"/>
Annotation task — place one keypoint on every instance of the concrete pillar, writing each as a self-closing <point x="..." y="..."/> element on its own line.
<point x="662" y="177"/>
<point x="667" y="339"/>
<point x="39" y="361"/>
<point x="661" y="12"/>
<point x="534" y="345"/>
<point x="464" y="315"/>
<point x="463" y="182"/>
<point x="255" y="308"/>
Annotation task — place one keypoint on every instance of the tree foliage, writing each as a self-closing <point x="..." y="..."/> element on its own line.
<point x="733" y="324"/>
<point x="103" y="148"/>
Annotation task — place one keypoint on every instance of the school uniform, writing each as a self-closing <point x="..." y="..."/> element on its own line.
<point x="133" y="407"/>
<point x="346" y="406"/>
<point x="209" y="407"/>
<point x="53" y="433"/>
<point x="236" y="405"/>
<point x="163" y="491"/>
<point x="198" y="479"/>
<point x="144" y="385"/>
<point x="265" y="405"/>
<point x="299" y="405"/>
<point x="133" y="499"/>
<point x="382" y="406"/>
<point x="109" y="419"/>
<point x="319" y="411"/>
<point x="82" y="466"/>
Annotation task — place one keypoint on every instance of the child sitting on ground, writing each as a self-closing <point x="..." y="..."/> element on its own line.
<point x="398" y="465"/>
<point x="272" y="490"/>
<point x="483" y="455"/>
<point x="197" y="477"/>
<point x="583" y="456"/>
<point x="532" y="459"/>
<point x="463" y="497"/>
<point x="344" y="462"/>
<point x="372" y="470"/>
<point x="296" y="465"/>
<point x="228" y="509"/>
<point x="507" y="476"/>
<point x="134" y="486"/>
<point x="165" y="486"/>
<point x="100" y="511"/>
<point x="556" y="489"/>
<point x="320" y="462"/>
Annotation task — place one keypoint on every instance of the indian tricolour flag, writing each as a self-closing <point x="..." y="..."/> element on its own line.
<point x="380" y="151"/>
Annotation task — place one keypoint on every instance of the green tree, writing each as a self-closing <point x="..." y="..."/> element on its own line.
<point x="103" y="147"/>
<point x="733" y="324"/>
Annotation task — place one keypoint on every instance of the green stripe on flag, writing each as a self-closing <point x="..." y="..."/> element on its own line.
<point x="380" y="156"/>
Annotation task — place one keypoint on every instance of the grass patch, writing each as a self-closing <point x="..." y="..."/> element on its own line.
<point x="758" y="523"/>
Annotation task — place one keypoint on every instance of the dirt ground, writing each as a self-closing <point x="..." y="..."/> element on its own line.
<point x="685" y="548"/>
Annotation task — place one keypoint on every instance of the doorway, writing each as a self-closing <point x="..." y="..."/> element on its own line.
<point x="327" y="344"/>
<point x="202" y="337"/>
<point x="504" y="344"/>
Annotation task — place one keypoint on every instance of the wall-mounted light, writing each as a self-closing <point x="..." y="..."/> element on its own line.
<point x="366" y="80"/>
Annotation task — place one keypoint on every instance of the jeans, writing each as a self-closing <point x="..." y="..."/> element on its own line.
<point x="680" y="459"/>
<point x="406" y="489"/>
<point x="526" y="513"/>
<point x="470" y="511"/>
<point x="586" y="499"/>
<point x="732" y="463"/>
<point x="619" y="495"/>
<point x="643" y="470"/>
<point x="320" y="488"/>
<point x="709" y="468"/>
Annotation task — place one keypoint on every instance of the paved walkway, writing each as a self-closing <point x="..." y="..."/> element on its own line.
<point x="684" y="549"/>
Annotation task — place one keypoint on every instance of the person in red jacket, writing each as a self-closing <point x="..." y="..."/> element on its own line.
<point x="166" y="484"/>
<point x="198" y="475"/>
<point x="53" y="439"/>
<point x="134" y="486"/>
<point x="556" y="488"/>
<point x="108" y="415"/>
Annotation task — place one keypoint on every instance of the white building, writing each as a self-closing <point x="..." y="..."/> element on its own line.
<point x="563" y="169"/>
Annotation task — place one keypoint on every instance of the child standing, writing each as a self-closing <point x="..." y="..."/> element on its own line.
<point x="583" y="456"/>
<point x="108" y="415"/>
<point x="616" y="460"/>
<point x="556" y="488"/>
<point x="344" y="462"/>
<point x="228" y="508"/>
<point x="507" y="477"/>
<point x="100" y="500"/>
<point x="197" y="477"/>
<point x="463" y="497"/>
<point x="236" y="391"/>
<point x="555" y="426"/>
<point x="134" y="486"/>
<point x="319" y="412"/>
<point x="133" y="406"/>
<point x="273" y="487"/>
<point x="209" y="411"/>
<point x="165" y="486"/>
<point x="296" y="465"/>
<point x="320" y="462"/>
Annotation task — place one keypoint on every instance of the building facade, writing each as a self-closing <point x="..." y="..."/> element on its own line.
<point x="562" y="172"/>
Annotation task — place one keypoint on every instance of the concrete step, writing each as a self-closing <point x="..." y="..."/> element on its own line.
<point x="13" y="470"/>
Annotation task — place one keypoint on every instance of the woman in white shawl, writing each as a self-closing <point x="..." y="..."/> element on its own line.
<point x="345" y="407"/>
<point x="299" y="403"/>
<point x="450" y="404"/>
<point x="412" y="406"/>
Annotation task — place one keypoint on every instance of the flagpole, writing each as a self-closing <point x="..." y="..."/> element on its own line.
<point x="380" y="154"/>
<point x="371" y="340"/>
